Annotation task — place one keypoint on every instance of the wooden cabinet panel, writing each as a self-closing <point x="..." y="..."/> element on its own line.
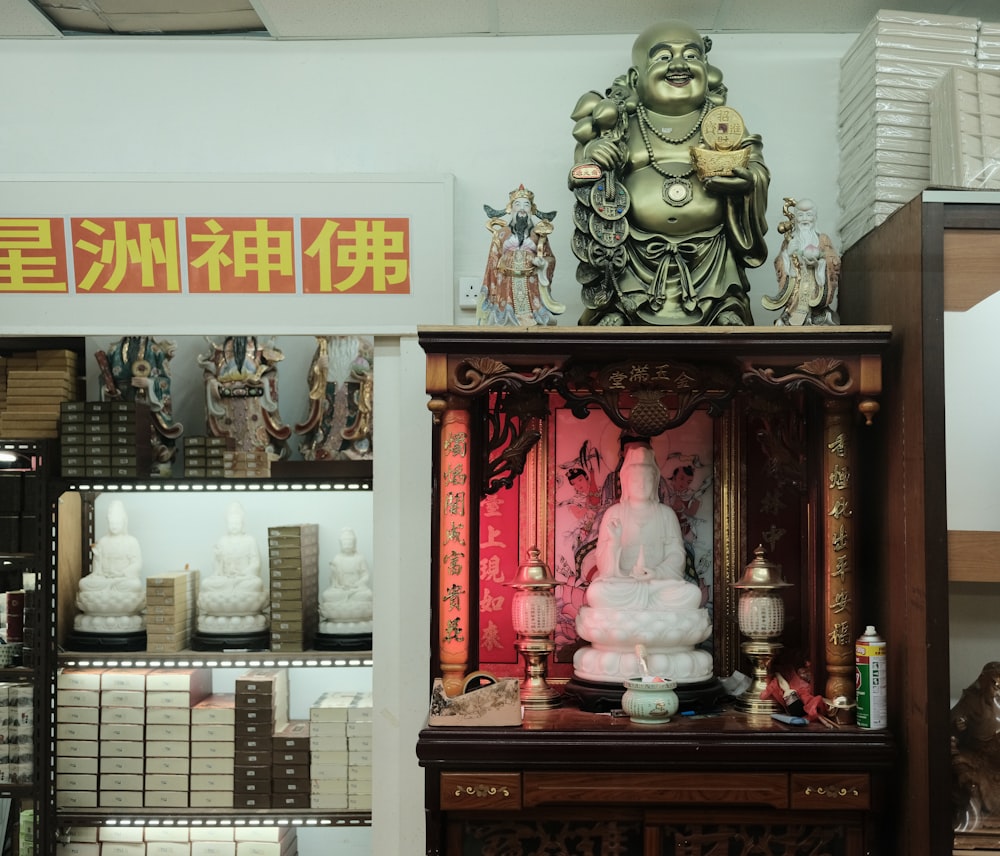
<point x="596" y="787"/>
<point x="830" y="791"/>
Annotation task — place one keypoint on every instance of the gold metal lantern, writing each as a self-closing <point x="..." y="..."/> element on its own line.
<point x="533" y="614"/>
<point x="761" y="612"/>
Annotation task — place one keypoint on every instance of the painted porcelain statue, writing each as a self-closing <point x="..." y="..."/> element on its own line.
<point x="241" y="395"/>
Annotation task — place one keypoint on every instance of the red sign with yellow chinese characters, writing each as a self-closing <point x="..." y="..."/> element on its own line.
<point x="224" y="255"/>
<point x="33" y="255"/>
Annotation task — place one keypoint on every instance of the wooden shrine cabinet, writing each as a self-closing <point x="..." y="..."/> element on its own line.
<point x="775" y="426"/>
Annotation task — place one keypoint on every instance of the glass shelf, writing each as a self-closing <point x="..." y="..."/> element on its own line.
<point x="214" y="659"/>
<point x="207" y="817"/>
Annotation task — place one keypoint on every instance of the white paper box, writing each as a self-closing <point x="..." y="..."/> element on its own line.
<point x="77" y="748"/>
<point x="75" y="765"/>
<point x="123" y="766"/>
<point x="168" y="716"/>
<point x="79" y="679"/>
<point x="122" y="731"/>
<point x="127" y="715"/>
<point x="76" y="781"/>
<point x="212" y="749"/>
<point x="121" y="748"/>
<point x="166" y="782"/>
<point x="120" y="833"/>
<point x="133" y="680"/>
<point x="213" y="766"/>
<point x="76" y="799"/>
<point x="218" y="708"/>
<point x="166" y="799"/>
<point x="213" y="731"/>
<point x="179" y="732"/>
<point x="78" y="698"/>
<point x="77" y="731"/>
<point x="120" y="799"/>
<point x="121" y="782"/>
<point x="79" y="848"/>
<point x="211" y="799"/>
<point x="81" y="715"/>
<point x="168" y="848"/>
<point x="178" y="765"/>
<point x="212" y="782"/>
<point x="123" y="698"/>
<point x="213" y="848"/>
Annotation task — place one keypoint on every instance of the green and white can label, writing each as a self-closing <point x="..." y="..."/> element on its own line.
<point x="869" y="658"/>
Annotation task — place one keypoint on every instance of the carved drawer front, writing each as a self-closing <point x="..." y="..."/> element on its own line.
<point x="600" y="788"/>
<point x="480" y="791"/>
<point x="830" y="791"/>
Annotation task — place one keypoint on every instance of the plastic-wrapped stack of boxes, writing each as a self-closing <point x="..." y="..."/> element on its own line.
<point x="17" y="731"/>
<point x="965" y="129"/>
<point x="105" y="439"/>
<point x="34" y="385"/>
<point x="261" y="710"/>
<point x="886" y="78"/>
<point x="340" y="741"/>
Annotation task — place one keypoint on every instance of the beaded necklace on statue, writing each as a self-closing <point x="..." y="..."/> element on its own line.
<point x="677" y="190"/>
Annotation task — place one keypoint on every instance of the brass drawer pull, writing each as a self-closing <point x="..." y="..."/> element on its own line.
<point x="482" y="791"/>
<point x="832" y="792"/>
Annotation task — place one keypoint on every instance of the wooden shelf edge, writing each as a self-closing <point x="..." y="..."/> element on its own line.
<point x="973" y="556"/>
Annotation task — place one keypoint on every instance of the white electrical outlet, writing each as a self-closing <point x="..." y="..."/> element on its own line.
<point x="468" y="291"/>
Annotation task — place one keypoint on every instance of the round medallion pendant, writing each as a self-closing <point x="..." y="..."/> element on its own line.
<point x="677" y="192"/>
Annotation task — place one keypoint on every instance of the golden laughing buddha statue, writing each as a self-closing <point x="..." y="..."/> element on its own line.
<point x="671" y="191"/>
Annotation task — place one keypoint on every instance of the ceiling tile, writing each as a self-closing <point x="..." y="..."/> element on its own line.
<point x="21" y="19"/>
<point x="585" y="17"/>
<point x="376" y="19"/>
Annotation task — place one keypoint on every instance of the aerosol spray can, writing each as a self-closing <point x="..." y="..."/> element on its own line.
<point x="869" y="659"/>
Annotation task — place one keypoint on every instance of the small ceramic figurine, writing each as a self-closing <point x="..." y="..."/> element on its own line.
<point x="808" y="269"/>
<point x="341" y="388"/>
<point x="975" y="750"/>
<point x="518" y="278"/>
<point x="639" y="593"/>
<point x="346" y="606"/>
<point x="112" y="596"/>
<point x="137" y="368"/>
<point x="232" y="599"/>
<point x="661" y="240"/>
<point x="241" y="395"/>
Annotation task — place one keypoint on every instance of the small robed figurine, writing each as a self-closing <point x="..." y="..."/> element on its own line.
<point x="112" y="597"/>
<point x="808" y="270"/>
<point x="232" y="600"/>
<point x="671" y="192"/>
<point x="517" y="283"/>
<point x="346" y="605"/>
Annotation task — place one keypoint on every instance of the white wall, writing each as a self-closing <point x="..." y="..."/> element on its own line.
<point x="492" y="112"/>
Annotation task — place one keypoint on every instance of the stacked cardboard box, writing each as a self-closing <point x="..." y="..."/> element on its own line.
<point x="293" y="559"/>
<point x="340" y="742"/>
<point x="105" y="439"/>
<point x="36" y="384"/>
<point x="122" y="736"/>
<point x="78" y="708"/>
<point x="239" y="464"/>
<point x="290" y="754"/>
<point x="171" y="695"/>
<point x="170" y="610"/>
<point x="167" y="840"/>
<point x="213" y="751"/>
<point x="204" y="457"/>
<point x="261" y="709"/>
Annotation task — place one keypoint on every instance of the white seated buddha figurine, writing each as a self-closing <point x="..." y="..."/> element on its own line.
<point x="112" y="596"/>
<point x="639" y="595"/>
<point x="232" y="599"/>
<point x="346" y="606"/>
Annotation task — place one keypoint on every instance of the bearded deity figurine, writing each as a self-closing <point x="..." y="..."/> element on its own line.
<point x="517" y="283"/>
<point x="341" y="389"/>
<point x="112" y="597"/>
<point x="231" y="601"/>
<point x="137" y="368"/>
<point x="345" y="607"/>
<point x="671" y="192"/>
<point x="241" y="395"/>
<point x="808" y="270"/>
<point x="639" y="596"/>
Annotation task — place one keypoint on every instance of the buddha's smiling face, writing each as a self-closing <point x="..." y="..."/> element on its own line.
<point x="669" y="69"/>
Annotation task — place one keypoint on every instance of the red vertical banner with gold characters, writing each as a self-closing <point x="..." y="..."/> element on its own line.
<point x="241" y="255"/>
<point x="454" y="550"/>
<point x="840" y="550"/>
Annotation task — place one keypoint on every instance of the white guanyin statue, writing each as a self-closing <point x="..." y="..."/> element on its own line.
<point x="639" y="595"/>
<point x="112" y="596"/>
<point x="233" y="597"/>
<point x="346" y="606"/>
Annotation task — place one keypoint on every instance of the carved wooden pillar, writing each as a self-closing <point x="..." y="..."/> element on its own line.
<point x="840" y="555"/>
<point x="457" y="502"/>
